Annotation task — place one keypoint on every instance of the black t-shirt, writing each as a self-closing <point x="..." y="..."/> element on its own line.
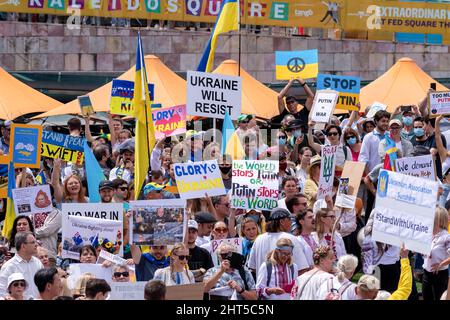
<point x="301" y="115"/>
<point x="200" y="258"/>
<point x="429" y="143"/>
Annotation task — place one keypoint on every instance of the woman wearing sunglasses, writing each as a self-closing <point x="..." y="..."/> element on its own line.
<point x="219" y="232"/>
<point x="16" y="287"/>
<point x="177" y="272"/>
<point x="121" y="273"/>
<point x="326" y="233"/>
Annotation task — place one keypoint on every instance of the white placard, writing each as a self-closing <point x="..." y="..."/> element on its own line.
<point x="327" y="166"/>
<point x="211" y="95"/>
<point x="111" y="211"/>
<point x="35" y="202"/>
<point x="323" y="105"/>
<point x="374" y="108"/>
<point x="76" y="270"/>
<point x="196" y="179"/>
<point x="236" y="243"/>
<point x="439" y="103"/>
<point x="421" y="166"/>
<point x="404" y="212"/>
<point x="127" y="290"/>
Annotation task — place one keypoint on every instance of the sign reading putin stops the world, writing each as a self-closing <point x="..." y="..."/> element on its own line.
<point x="348" y="88"/>
<point x="213" y="95"/>
<point x="196" y="179"/>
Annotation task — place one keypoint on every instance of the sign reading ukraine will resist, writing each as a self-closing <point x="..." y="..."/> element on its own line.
<point x="211" y="95"/>
<point x="348" y="88"/>
<point x="57" y="145"/>
<point x="404" y="212"/>
<point x="254" y="184"/>
<point x="197" y="178"/>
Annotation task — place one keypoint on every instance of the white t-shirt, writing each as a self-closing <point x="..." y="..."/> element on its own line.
<point x="282" y="203"/>
<point x="345" y="288"/>
<point x="267" y="242"/>
<point x="307" y="285"/>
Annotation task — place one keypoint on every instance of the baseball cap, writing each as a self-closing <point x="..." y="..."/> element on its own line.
<point x="369" y="282"/>
<point x="395" y="121"/>
<point x="106" y="184"/>
<point x="152" y="186"/>
<point x="294" y="124"/>
<point x="205" y="217"/>
<point x="244" y="117"/>
<point x="192" y="134"/>
<point x="127" y="145"/>
<point x="279" y="213"/>
<point x="192" y="224"/>
<point x="16" y="276"/>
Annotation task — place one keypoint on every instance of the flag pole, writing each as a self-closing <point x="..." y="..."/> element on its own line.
<point x="239" y="31"/>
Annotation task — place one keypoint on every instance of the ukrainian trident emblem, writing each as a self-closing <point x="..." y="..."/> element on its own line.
<point x="328" y="167"/>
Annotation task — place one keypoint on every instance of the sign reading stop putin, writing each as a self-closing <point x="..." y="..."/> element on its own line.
<point x="212" y="95"/>
<point x="348" y="88"/>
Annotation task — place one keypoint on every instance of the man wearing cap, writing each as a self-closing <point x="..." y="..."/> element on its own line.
<point x="195" y="142"/>
<point x="154" y="191"/>
<point x="205" y="222"/>
<point x="200" y="259"/>
<point x="125" y="170"/>
<point x="243" y="121"/>
<point x="291" y="105"/>
<point x="106" y="190"/>
<point x="404" y="145"/>
<point x="406" y="117"/>
<point x="4" y="140"/>
<point x="278" y="227"/>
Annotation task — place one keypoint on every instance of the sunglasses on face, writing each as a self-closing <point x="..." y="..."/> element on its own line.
<point x="350" y="137"/>
<point x="123" y="188"/>
<point x="226" y="256"/>
<point x="19" y="284"/>
<point x="182" y="257"/>
<point x="221" y="230"/>
<point x="245" y="121"/>
<point x="332" y="217"/>
<point x="124" y="274"/>
<point x="334" y="133"/>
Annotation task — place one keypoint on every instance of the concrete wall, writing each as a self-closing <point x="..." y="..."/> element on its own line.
<point x="53" y="47"/>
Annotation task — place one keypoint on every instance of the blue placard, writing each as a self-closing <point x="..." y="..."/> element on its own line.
<point x="26" y="146"/>
<point x="339" y="83"/>
<point x="63" y="140"/>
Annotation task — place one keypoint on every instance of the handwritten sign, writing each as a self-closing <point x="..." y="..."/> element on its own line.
<point x="24" y="145"/>
<point x="439" y="103"/>
<point x="323" y="105"/>
<point x="169" y="121"/>
<point x="197" y="178"/>
<point x="421" y="166"/>
<point x="374" y="108"/>
<point x="348" y="88"/>
<point x="236" y="243"/>
<point x="127" y="290"/>
<point x="122" y="92"/>
<point x="33" y="201"/>
<point x="327" y="171"/>
<point x="254" y="184"/>
<point x="62" y="146"/>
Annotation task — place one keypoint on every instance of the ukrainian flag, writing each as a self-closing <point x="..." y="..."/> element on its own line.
<point x="391" y="154"/>
<point x="231" y="144"/>
<point x="296" y="64"/>
<point x="10" y="214"/>
<point x="145" y="131"/>
<point x="227" y="20"/>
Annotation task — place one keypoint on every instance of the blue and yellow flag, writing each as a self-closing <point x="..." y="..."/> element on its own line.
<point x="10" y="213"/>
<point x="231" y="144"/>
<point x="227" y="20"/>
<point x="296" y="64"/>
<point x="94" y="174"/>
<point x="391" y="154"/>
<point x="145" y="132"/>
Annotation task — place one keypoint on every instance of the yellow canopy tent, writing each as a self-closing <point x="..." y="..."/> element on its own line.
<point x="170" y="89"/>
<point x="257" y="99"/>
<point x="17" y="99"/>
<point x="405" y="83"/>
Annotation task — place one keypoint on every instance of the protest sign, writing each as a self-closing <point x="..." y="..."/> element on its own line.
<point x="254" y="184"/>
<point x="80" y="231"/>
<point x="117" y="260"/>
<point x="57" y="145"/>
<point x="4" y="163"/>
<point x="197" y="178"/>
<point x="323" y="105"/>
<point x="33" y="201"/>
<point x="352" y="173"/>
<point x="122" y="92"/>
<point x="24" y="145"/>
<point x="404" y="211"/>
<point x="374" y="108"/>
<point x="328" y="163"/>
<point x="236" y="243"/>
<point x="296" y="64"/>
<point x="111" y="211"/>
<point x="421" y="166"/>
<point x="85" y="105"/>
<point x="157" y="222"/>
<point x="169" y="121"/>
<point x="76" y="270"/>
<point x="211" y="95"/>
<point x="348" y="88"/>
<point x="185" y="292"/>
<point x="127" y="290"/>
<point x="439" y="103"/>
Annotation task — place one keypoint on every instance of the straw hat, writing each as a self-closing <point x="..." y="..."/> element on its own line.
<point x="316" y="160"/>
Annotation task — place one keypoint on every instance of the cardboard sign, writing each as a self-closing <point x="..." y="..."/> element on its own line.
<point x="296" y="64"/>
<point x="127" y="290"/>
<point x="404" y="211"/>
<point x="169" y="121"/>
<point x="24" y="145"/>
<point x="255" y="184"/>
<point x="33" y="201"/>
<point x="327" y="167"/>
<point x="79" y="231"/>
<point x="374" y="108"/>
<point x="85" y="105"/>
<point x="348" y="88"/>
<point x="353" y="171"/>
<point x="211" y="95"/>
<point x="185" y="292"/>
<point x="122" y="92"/>
<point x="421" y="166"/>
<point x="439" y="103"/>
<point x="62" y="146"/>
<point x="236" y="243"/>
<point x="197" y="178"/>
<point x="157" y="222"/>
<point x="323" y="105"/>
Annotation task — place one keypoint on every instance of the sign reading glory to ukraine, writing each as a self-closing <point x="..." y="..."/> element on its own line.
<point x="169" y="121"/>
<point x="24" y="145"/>
<point x="197" y="178"/>
<point x="211" y="95"/>
<point x="348" y="88"/>
<point x="404" y="212"/>
<point x="296" y="64"/>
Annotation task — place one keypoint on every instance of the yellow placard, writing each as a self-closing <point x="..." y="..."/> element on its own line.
<point x="59" y="152"/>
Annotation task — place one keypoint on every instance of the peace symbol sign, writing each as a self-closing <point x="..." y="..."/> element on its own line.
<point x="296" y="65"/>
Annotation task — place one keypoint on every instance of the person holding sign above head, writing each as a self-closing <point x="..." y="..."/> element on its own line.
<point x="148" y="263"/>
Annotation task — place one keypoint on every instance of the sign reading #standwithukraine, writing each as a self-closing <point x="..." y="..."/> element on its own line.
<point x="296" y="64"/>
<point x="57" y="145"/>
<point x="348" y="88"/>
<point x="122" y="92"/>
<point x="24" y="145"/>
<point x="404" y="211"/>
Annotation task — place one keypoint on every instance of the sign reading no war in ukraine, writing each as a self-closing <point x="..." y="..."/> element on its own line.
<point x="57" y="145"/>
<point x="404" y="212"/>
<point x="197" y="178"/>
<point x="254" y="184"/>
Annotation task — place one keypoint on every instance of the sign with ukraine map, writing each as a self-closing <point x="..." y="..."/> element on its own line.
<point x="296" y="64"/>
<point x="24" y="145"/>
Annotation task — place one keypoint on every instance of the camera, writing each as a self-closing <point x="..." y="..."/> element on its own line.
<point x="236" y="260"/>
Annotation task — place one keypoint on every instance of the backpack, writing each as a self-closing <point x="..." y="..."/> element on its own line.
<point x="336" y="294"/>
<point x="269" y="267"/>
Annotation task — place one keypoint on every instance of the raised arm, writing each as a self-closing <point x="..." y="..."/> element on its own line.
<point x="442" y="150"/>
<point x="423" y="105"/>
<point x="311" y="142"/>
<point x="111" y="129"/>
<point x="56" y="181"/>
<point x="87" y="129"/>
<point x="283" y="94"/>
<point x="309" y="94"/>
